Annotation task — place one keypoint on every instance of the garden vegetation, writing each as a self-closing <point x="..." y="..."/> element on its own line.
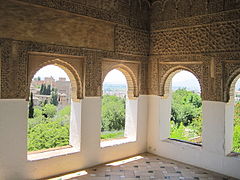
<point x="48" y="127"/>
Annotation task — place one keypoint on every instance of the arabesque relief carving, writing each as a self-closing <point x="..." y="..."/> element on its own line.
<point x="231" y="72"/>
<point x="131" y="41"/>
<point x="131" y="71"/>
<point x="148" y="47"/>
<point x="15" y="79"/>
<point x="72" y="65"/>
<point x="211" y="38"/>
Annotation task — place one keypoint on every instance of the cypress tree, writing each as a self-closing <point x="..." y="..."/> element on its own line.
<point x="54" y="98"/>
<point x="48" y="90"/>
<point x="45" y="102"/>
<point x="41" y="89"/>
<point x="30" y="108"/>
<point x="44" y="92"/>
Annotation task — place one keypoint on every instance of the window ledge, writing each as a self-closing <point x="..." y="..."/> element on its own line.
<point x="183" y="143"/>
<point x="234" y="155"/>
<point x="50" y="153"/>
<point x="116" y="142"/>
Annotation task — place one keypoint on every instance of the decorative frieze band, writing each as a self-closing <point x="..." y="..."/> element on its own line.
<point x="99" y="13"/>
<point x="131" y="41"/>
<point x="210" y="38"/>
<point x="157" y="23"/>
<point x="14" y="65"/>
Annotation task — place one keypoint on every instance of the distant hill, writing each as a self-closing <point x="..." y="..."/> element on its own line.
<point x="109" y="86"/>
<point x="191" y="85"/>
<point x="188" y="84"/>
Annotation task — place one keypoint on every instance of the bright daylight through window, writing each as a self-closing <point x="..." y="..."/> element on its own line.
<point x="113" y="105"/>
<point x="49" y="109"/>
<point x="186" y="108"/>
<point x="236" y="123"/>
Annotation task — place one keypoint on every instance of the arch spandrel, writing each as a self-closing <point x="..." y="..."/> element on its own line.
<point x="231" y="75"/>
<point x="68" y="64"/>
<point x="131" y="72"/>
<point x="165" y="80"/>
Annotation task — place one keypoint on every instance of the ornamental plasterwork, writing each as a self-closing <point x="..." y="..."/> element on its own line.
<point x="131" y="71"/>
<point x="211" y="38"/>
<point x="14" y="78"/>
<point x="201" y="18"/>
<point x="114" y="11"/>
<point x="168" y="69"/>
<point x="131" y="41"/>
<point x="231" y="74"/>
<point x="72" y="65"/>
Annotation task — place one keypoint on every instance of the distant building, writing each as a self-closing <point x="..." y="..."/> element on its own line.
<point x="38" y="99"/>
<point x="237" y="96"/>
<point x="62" y="85"/>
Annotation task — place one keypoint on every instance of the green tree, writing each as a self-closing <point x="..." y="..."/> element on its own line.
<point x="186" y="117"/>
<point x="186" y="106"/>
<point x="44" y="102"/>
<point x="48" y="90"/>
<point x="113" y="113"/>
<point x="48" y="134"/>
<point x="30" y="108"/>
<point x="44" y="133"/>
<point x="54" y="97"/>
<point x="236" y="129"/>
<point x="41" y="89"/>
<point x="49" y="110"/>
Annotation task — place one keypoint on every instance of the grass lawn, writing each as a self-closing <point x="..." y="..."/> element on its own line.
<point x="112" y="134"/>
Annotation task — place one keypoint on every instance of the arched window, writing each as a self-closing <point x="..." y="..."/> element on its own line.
<point x="118" y="123"/>
<point x="52" y="114"/>
<point x="236" y="123"/>
<point x="186" y="108"/>
<point x="233" y="119"/>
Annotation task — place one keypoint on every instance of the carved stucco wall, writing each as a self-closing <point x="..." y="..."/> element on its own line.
<point x="131" y="70"/>
<point x="15" y="58"/>
<point x="208" y="38"/>
<point x="29" y="23"/>
<point x="203" y="38"/>
<point x="128" y="40"/>
<point x="126" y="12"/>
<point x="72" y="65"/>
<point x="27" y="28"/>
<point x="182" y="12"/>
<point x="232" y="72"/>
<point x="200" y="36"/>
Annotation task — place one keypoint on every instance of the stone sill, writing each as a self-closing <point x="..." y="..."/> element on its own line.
<point x="234" y="155"/>
<point x="52" y="152"/>
<point x="183" y="143"/>
<point x="116" y="142"/>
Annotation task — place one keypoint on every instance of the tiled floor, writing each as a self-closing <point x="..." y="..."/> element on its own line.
<point x="144" y="167"/>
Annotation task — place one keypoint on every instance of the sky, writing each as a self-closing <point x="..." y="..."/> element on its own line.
<point x="185" y="79"/>
<point x="237" y="86"/>
<point x="51" y="70"/>
<point x="115" y="77"/>
<point x="181" y="79"/>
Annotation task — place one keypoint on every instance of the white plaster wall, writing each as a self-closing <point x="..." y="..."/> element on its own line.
<point x="131" y="118"/>
<point x="151" y="115"/>
<point x="13" y="128"/>
<point x="13" y="137"/>
<point x="229" y="116"/>
<point x="75" y="124"/>
<point x="210" y="156"/>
